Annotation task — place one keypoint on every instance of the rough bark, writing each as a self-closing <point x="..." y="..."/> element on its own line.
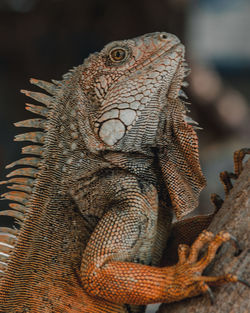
<point x="234" y="216"/>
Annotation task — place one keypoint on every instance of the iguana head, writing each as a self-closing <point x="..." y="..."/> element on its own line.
<point x="132" y="89"/>
<point x="123" y="99"/>
<point x="127" y="85"/>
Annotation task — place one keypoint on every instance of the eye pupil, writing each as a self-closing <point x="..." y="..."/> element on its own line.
<point x="117" y="55"/>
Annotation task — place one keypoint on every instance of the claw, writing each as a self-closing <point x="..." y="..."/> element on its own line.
<point x="217" y="201"/>
<point x="237" y="246"/>
<point x="244" y="282"/>
<point x="206" y="289"/>
<point x="225" y="178"/>
<point x="210" y="294"/>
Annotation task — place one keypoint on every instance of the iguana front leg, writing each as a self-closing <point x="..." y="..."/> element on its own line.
<point x="108" y="270"/>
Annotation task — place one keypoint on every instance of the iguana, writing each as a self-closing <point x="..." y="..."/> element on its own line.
<point x="115" y="157"/>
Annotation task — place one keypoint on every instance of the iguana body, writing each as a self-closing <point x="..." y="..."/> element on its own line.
<point x="118" y="157"/>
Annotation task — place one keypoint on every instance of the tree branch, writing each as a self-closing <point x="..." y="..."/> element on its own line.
<point x="234" y="216"/>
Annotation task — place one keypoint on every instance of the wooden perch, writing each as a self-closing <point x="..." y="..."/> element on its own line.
<point x="234" y="216"/>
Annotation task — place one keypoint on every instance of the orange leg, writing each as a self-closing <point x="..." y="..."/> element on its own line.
<point x="109" y="271"/>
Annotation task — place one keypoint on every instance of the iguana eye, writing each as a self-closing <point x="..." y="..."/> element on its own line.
<point x="117" y="54"/>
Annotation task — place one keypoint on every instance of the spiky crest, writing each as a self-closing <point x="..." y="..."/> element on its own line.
<point x="22" y="179"/>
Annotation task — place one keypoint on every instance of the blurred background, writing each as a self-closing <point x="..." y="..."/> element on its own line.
<point x="45" y="38"/>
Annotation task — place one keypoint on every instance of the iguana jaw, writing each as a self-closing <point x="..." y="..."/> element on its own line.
<point x="154" y="68"/>
<point x="164" y="76"/>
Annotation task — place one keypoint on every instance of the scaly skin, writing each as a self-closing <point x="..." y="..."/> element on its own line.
<point x="119" y="156"/>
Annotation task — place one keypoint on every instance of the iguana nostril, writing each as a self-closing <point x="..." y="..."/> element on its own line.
<point x="163" y="36"/>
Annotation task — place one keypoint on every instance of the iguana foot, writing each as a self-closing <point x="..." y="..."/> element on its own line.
<point x="217" y="202"/>
<point x="226" y="177"/>
<point x="189" y="267"/>
<point x="238" y="158"/>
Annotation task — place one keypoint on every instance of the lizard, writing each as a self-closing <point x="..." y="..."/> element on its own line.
<point x="115" y="158"/>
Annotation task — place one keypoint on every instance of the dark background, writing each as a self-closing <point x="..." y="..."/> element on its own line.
<point x="44" y="39"/>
